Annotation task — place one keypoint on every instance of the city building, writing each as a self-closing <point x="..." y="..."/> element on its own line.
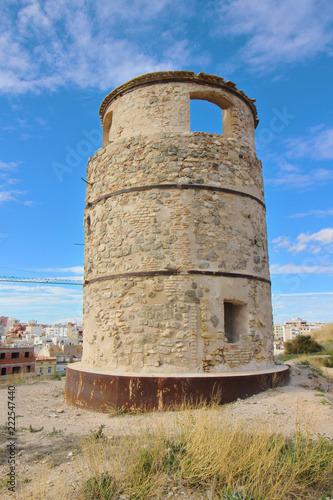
<point x="46" y="366"/>
<point x="294" y="327"/>
<point x="16" y="360"/>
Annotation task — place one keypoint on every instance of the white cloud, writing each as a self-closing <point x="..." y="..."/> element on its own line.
<point x="7" y="167"/>
<point x="290" y="175"/>
<point x="88" y="43"/>
<point x="314" y="242"/>
<point x="30" y="203"/>
<point x="73" y="270"/>
<point x="278" y="31"/>
<point x="318" y="144"/>
<point x="45" y="303"/>
<point x="320" y="242"/>
<point x="301" y="269"/>
<point x="281" y="242"/>
<point x="309" y="306"/>
<point x="11" y="195"/>
<point x="7" y="193"/>
<point x="299" y="179"/>
<point x="317" y="213"/>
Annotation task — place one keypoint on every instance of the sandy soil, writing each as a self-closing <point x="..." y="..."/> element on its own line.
<point x="50" y="432"/>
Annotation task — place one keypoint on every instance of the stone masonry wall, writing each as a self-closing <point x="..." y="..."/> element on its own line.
<point x="165" y="210"/>
<point x="174" y="324"/>
<point x="165" y="108"/>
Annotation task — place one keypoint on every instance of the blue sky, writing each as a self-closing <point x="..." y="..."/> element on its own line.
<point x="58" y="60"/>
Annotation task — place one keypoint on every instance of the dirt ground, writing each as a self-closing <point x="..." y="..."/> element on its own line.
<point x="50" y="432"/>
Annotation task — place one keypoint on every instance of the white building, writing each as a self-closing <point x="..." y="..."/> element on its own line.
<point x="294" y="327"/>
<point x="35" y="330"/>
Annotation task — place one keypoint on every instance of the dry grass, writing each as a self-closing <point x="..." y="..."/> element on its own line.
<point x="202" y="452"/>
<point x="26" y="378"/>
<point x="320" y="363"/>
<point x="323" y="335"/>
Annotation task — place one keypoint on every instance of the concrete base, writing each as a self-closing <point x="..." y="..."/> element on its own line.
<point x="102" y="390"/>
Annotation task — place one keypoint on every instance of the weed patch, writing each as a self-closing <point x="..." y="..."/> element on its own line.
<point x="202" y="451"/>
<point x="98" y="434"/>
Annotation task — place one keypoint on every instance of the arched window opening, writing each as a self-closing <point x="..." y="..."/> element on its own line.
<point x="205" y="117"/>
<point x="210" y="112"/>
<point x="107" y="121"/>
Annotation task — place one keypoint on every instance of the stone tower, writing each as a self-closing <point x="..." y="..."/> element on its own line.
<point x="177" y="289"/>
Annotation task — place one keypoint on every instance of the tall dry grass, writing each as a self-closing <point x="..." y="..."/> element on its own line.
<point x="200" y="453"/>
<point x="324" y="334"/>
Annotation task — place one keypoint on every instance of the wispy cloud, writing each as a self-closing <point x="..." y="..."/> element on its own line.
<point x="317" y="144"/>
<point x="78" y="270"/>
<point x="293" y="177"/>
<point x="10" y="195"/>
<point x="7" y="167"/>
<point x="278" y="31"/>
<point x="309" y="306"/>
<point x="320" y="242"/>
<point x="88" y="43"/>
<point x="314" y="242"/>
<point x="46" y="304"/>
<point x="281" y="242"/>
<point x="301" y="269"/>
<point x="316" y="213"/>
<point x="7" y="193"/>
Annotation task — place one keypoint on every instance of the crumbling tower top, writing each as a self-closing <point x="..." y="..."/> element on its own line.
<point x="127" y="111"/>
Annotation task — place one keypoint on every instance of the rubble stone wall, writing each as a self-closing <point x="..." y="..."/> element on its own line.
<point x="175" y="227"/>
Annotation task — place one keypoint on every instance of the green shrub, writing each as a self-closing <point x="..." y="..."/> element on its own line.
<point x="101" y="488"/>
<point x="98" y="434"/>
<point x="303" y="344"/>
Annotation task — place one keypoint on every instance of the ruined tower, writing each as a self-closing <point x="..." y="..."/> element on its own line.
<point x="177" y="289"/>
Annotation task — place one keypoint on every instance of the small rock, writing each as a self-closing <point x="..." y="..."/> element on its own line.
<point x="60" y="411"/>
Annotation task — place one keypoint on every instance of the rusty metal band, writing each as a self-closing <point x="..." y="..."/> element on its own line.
<point x="174" y="186"/>
<point x="172" y="272"/>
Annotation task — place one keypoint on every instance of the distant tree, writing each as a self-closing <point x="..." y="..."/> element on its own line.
<point x="303" y="344"/>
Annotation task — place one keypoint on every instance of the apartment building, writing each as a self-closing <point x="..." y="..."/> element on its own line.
<point x="14" y="359"/>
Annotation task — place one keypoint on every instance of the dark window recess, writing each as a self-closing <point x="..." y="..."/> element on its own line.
<point x="16" y="369"/>
<point x="28" y="369"/>
<point x="3" y="355"/>
<point x="235" y="321"/>
<point x="26" y="354"/>
<point x="15" y="355"/>
<point x="3" y="371"/>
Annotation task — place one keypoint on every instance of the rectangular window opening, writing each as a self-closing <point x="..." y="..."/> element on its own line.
<point x="26" y="354"/>
<point x="205" y="116"/>
<point x="235" y="321"/>
<point x="3" y="371"/>
<point x="16" y="369"/>
<point x="3" y="355"/>
<point x="15" y="355"/>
